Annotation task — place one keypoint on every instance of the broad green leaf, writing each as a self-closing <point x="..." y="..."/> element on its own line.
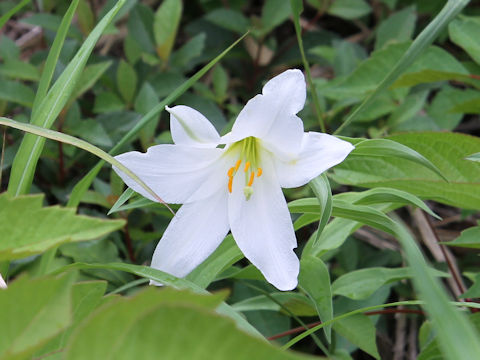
<point x="371" y="73"/>
<point x="89" y="77"/>
<point x="25" y="162"/>
<point x="126" y="81"/>
<point x="146" y="326"/>
<point x="85" y="182"/>
<point x="359" y="330"/>
<point x="27" y="228"/>
<point x="16" y="92"/>
<point x="183" y="57"/>
<point x="321" y="188"/>
<point x="273" y="14"/>
<point x="106" y="102"/>
<point x="349" y="9"/>
<point x="470" y="106"/>
<point x="228" y="19"/>
<point x="220" y="83"/>
<point x="315" y="280"/>
<point x="419" y="45"/>
<point x="86" y="17"/>
<point x="165" y="26"/>
<point x="398" y="27"/>
<point x="430" y="76"/>
<point x="360" y="284"/>
<point x="67" y="139"/>
<point x="465" y="32"/>
<point x="34" y="312"/>
<point x="446" y="151"/>
<point x="21" y="70"/>
<point x="469" y="238"/>
<point x="86" y="296"/>
<point x="474" y="290"/>
<point x="167" y="279"/>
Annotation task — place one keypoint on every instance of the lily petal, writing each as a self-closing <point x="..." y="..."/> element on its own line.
<point x="271" y="116"/>
<point x="194" y="233"/>
<point x="262" y="228"/>
<point x="3" y="285"/>
<point x="319" y="153"/>
<point x="189" y="127"/>
<point x="174" y="172"/>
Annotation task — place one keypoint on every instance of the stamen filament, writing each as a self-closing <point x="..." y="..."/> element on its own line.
<point x="252" y="176"/>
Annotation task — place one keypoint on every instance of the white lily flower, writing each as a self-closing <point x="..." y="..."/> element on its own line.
<point x="237" y="187"/>
<point x="3" y="285"/>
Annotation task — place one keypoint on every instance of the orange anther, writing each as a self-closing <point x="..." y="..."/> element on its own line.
<point x="259" y="172"/>
<point x="247" y="165"/>
<point x="230" y="172"/>
<point x="252" y="176"/>
<point x="230" y="184"/>
<point x="237" y="165"/>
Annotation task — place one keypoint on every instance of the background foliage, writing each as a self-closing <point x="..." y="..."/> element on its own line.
<point x="389" y="262"/>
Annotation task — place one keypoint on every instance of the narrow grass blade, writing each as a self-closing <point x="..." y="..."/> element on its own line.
<point x="423" y="40"/>
<point x="31" y="147"/>
<point x="127" y="194"/>
<point x="52" y="58"/>
<point x="67" y="139"/>
<point x="84" y="184"/>
<point x="457" y="337"/>
<point x="5" y="17"/>
<point x="297" y="8"/>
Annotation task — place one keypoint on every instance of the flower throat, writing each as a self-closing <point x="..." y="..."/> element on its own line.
<point x="251" y="168"/>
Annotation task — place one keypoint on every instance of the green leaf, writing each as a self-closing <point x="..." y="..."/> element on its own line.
<point x="165" y="26"/>
<point x="465" y="32"/>
<point x="89" y="77"/>
<point x="474" y="290"/>
<point x="86" y="18"/>
<point x="220" y="83"/>
<point x="273" y="14"/>
<point x="398" y="27"/>
<point x="17" y="93"/>
<point x="86" y="296"/>
<point x="361" y="284"/>
<point x="21" y="70"/>
<point x="167" y="279"/>
<point x="446" y="151"/>
<point x="224" y="256"/>
<point x="106" y="102"/>
<point x="126" y="195"/>
<point x="145" y="323"/>
<point x="298" y="304"/>
<point x="4" y="18"/>
<point x="228" y="19"/>
<point x="315" y="280"/>
<point x="25" y="162"/>
<point x="321" y="188"/>
<point x="469" y="238"/>
<point x="29" y="229"/>
<point x="419" y="45"/>
<point x="359" y="330"/>
<point x="126" y="81"/>
<point x="84" y="184"/>
<point x="349" y="9"/>
<point x="67" y="139"/>
<point x="38" y="310"/>
<point x="183" y="57"/>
